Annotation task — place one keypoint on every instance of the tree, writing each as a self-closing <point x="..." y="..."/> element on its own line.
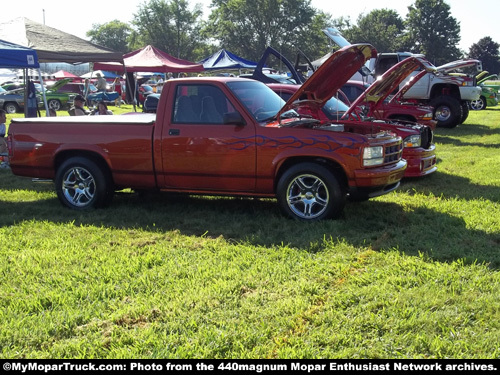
<point x="382" y="28"/>
<point x="486" y="50"/>
<point x="247" y="27"/>
<point x="432" y="31"/>
<point x="113" y="35"/>
<point x="169" y="26"/>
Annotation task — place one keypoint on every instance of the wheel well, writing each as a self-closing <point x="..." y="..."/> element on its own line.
<point x="449" y="90"/>
<point x="333" y="166"/>
<point x="96" y="158"/>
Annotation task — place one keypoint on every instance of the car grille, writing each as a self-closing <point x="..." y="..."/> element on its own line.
<point x="393" y="153"/>
<point x="426" y="136"/>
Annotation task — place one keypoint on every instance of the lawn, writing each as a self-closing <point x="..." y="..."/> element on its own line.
<point x="412" y="274"/>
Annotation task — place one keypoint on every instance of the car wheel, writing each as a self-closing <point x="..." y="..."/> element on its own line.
<point x="479" y="104"/>
<point x="82" y="184"/>
<point x="11" y="108"/>
<point x="447" y="111"/>
<point x="310" y="192"/>
<point x="54" y="104"/>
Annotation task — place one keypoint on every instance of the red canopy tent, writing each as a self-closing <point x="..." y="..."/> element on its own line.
<point x="150" y="59"/>
<point x="61" y="74"/>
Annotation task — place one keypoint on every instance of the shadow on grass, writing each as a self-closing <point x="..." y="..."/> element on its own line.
<point x="379" y="225"/>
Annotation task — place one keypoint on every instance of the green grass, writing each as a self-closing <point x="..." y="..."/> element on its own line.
<point x="412" y="274"/>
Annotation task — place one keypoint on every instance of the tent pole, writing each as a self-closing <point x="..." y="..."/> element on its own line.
<point x="43" y="93"/>
<point x="25" y="83"/>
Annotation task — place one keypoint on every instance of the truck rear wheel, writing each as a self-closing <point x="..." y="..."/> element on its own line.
<point x="81" y="184"/>
<point x="447" y="111"/>
<point x="310" y="192"/>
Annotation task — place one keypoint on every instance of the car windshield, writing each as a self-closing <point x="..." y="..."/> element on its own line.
<point x="261" y="101"/>
<point x="334" y="108"/>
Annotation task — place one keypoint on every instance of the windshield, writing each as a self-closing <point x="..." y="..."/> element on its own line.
<point x="334" y="108"/>
<point x="262" y="102"/>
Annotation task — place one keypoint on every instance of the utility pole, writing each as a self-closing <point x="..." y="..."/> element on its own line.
<point x="43" y="16"/>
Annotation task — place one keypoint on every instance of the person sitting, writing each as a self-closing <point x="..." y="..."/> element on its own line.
<point x="102" y="109"/>
<point x="77" y="108"/>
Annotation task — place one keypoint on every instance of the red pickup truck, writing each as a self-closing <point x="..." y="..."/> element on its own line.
<point x="213" y="135"/>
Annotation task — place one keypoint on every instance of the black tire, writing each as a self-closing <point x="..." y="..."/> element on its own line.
<point x="447" y="111"/>
<point x="54" y="104"/>
<point x="465" y="111"/>
<point x="81" y="184"/>
<point x="310" y="192"/>
<point x="479" y="104"/>
<point x="11" y="107"/>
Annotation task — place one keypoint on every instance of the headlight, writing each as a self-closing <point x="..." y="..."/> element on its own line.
<point x="428" y="116"/>
<point x="373" y="156"/>
<point x="412" y="141"/>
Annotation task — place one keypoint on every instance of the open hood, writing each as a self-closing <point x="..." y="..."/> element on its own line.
<point x="390" y="81"/>
<point x="330" y="77"/>
<point x="459" y="64"/>
<point x="56" y="86"/>
<point x="491" y="77"/>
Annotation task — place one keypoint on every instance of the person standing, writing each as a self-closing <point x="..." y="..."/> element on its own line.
<point x="3" y="120"/>
<point x="117" y="86"/>
<point x="101" y="83"/>
<point x="3" y="130"/>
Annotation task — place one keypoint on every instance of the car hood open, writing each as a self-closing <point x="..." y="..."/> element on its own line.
<point x="330" y="77"/>
<point x="389" y="82"/>
<point x="460" y="64"/>
<point x="58" y="84"/>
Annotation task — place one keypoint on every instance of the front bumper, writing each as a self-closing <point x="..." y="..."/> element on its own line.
<point x="373" y="182"/>
<point x="421" y="162"/>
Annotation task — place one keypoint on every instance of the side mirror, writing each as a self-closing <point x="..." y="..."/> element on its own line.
<point x="233" y="118"/>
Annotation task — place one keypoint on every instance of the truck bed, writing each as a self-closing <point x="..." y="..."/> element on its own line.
<point x="124" y="142"/>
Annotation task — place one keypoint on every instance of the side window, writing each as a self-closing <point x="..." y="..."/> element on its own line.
<point x="384" y="64"/>
<point x="200" y="104"/>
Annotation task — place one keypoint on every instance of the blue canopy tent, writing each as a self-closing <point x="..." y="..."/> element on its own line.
<point x="226" y="60"/>
<point x="15" y="56"/>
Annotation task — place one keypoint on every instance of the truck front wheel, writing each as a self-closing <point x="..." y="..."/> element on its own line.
<point x="310" y="192"/>
<point x="447" y="111"/>
<point x="81" y="184"/>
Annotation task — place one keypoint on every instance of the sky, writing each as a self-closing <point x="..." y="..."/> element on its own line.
<point x="473" y="17"/>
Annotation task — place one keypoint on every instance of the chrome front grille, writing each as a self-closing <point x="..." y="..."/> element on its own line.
<point x="393" y="153"/>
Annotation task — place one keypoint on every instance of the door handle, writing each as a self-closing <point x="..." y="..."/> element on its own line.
<point x="174" y="132"/>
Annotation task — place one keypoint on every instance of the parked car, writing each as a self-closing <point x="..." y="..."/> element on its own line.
<point x="419" y="150"/>
<point x="12" y="101"/>
<point x="143" y="92"/>
<point x="389" y="109"/>
<point x="151" y="103"/>
<point x="77" y="88"/>
<point x="489" y="96"/>
<point x="57" y="99"/>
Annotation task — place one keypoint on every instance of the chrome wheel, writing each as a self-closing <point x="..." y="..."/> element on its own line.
<point x="443" y="113"/>
<point x="54" y="104"/>
<point x="11" y="108"/>
<point x="78" y="186"/>
<point x="478" y="105"/>
<point x="307" y="196"/>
